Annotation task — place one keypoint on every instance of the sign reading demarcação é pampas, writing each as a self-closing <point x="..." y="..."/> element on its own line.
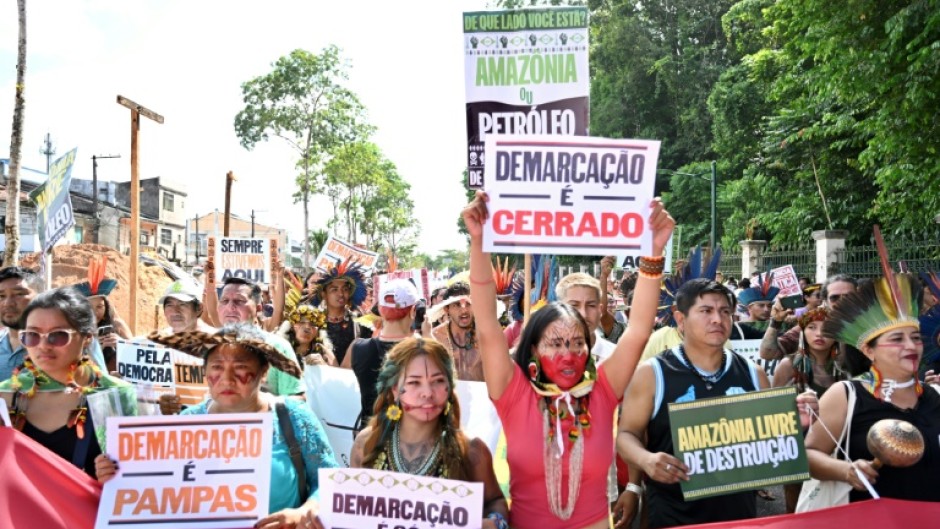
<point x="740" y="442"/>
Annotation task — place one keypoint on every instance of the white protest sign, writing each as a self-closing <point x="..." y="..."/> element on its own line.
<point x="418" y="277"/>
<point x="358" y="497"/>
<point x="631" y="261"/>
<point x="333" y="395"/>
<point x="243" y="258"/>
<point x="526" y="72"/>
<point x="143" y="362"/>
<point x="569" y="195"/>
<point x="194" y="471"/>
<point x="750" y="349"/>
<point x="337" y="250"/>
<point x="5" y="413"/>
<point x="786" y="280"/>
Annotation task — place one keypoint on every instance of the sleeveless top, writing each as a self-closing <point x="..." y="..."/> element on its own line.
<point x="367" y="357"/>
<point x="901" y="483"/>
<point x="676" y="382"/>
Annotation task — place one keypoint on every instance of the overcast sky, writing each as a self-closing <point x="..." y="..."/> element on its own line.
<point x="187" y="59"/>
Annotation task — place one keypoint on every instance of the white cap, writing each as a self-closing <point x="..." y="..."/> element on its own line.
<point x="183" y="291"/>
<point x="403" y="294"/>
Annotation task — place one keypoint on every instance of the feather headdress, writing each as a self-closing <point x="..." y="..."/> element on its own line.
<point x="761" y="291"/>
<point x="97" y="284"/>
<point x="692" y="270"/>
<point x="883" y="305"/>
<point x="349" y="271"/>
<point x="503" y="275"/>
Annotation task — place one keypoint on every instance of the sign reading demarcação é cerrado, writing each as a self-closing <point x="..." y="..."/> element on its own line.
<point x="53" y="202"/>
<point x="740" y="442"/>
<point x="571" y="195"/>
<point x="526" y="72"/>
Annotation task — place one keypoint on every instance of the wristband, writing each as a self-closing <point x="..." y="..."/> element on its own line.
<point x="634" y="488"/>
<point x="652" y="267"/>
<point x="498" y="519"/>
<point x="487" y="282"/>
<point x="776" y="325"/>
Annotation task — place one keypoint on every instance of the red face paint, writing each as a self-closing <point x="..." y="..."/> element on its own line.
<point x="246" y="378"/>
<point x="563" y="353"/>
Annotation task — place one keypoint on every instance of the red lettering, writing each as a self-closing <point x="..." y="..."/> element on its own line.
<point x="522" y="222"/>
<point x="631" y="225"/>
<point x="499" y="218"/>
<point x="563" y="222"/>
<point x="609" y="224"/>
<point x="543" y="223"/>
<point x="588" y="224"/>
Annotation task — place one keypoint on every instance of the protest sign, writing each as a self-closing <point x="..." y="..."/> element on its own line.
<point x="198" y="471"/>
<point x="337" y="250"/>
<point x="569" y="195"/>
<point x="417" y="276"/>
<point x="631" y="261"/>
<point x="4" y="413"/>
<point x="189" y="378"/>
<point x="149" y="367"/>
<point x="526" y="72"/>
<point x="358" y="497"/>
<point x="740" y="442"/>
<point x="333" y="395"/>
<point x="54" y="203"/>
<point x="243" y="258"/>
<point x="750" y="349"/>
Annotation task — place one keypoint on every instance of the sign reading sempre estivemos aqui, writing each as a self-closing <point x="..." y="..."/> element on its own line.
<point x="526" y="72"/>
<point x="54" y="203"/>
<point x="739" y="442"/>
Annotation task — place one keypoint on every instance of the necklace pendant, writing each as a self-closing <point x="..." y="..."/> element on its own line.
<point x="708" y="386"/>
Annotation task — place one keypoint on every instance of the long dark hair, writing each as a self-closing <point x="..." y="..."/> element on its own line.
<point x="74" y="307"/>
<point x="541" y="320"/>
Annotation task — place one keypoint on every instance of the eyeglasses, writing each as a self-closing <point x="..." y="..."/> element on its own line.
<point x="59" y="338"/>
<point x="834" y="298"/>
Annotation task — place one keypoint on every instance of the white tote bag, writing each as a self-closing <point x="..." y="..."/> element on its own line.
<point x="817" y="494"/>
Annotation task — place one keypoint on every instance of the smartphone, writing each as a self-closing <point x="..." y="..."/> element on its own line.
<point x="105" y="330"/>
<point x="793" y="302"/>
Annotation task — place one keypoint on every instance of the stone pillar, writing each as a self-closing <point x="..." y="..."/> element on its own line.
<point x="751" y="261"/>
<point x="828" y="243"/>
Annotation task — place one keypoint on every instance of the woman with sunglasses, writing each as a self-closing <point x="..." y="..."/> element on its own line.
<point x="48" y="396"/>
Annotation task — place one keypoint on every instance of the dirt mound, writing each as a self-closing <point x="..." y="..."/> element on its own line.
<point x="70" y="267"/>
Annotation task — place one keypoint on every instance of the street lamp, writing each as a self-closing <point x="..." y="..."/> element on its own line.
<point x="713" y="236"/>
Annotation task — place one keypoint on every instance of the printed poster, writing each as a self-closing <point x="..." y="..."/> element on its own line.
<point x="358" y="497"/>
<point x="243" y="258"/>
<point x="526" y="72"/>
<point x="741" y="442"/>
<point x="54" y="203"/>
<point x="569" y="195"/>
<point x="194" y="471"/>
<point x="337" y="251"/>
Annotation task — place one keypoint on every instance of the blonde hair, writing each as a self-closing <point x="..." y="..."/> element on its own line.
<point x="576" y="279"/>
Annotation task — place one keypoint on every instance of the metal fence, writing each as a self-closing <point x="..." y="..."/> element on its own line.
<point x="801" y="256"/>
<point x="863" y="261"/>
<point x="730" y="265"/>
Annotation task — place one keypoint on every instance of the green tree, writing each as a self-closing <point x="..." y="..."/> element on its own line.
<point x="351" y="174"/>
<point x="303" y="101"/>
<point x="317" y="239"/>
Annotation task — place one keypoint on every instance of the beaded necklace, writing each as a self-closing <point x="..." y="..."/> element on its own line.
<point x="398" y="464"/>
<point x="882" y="388"/>
<point x="711" y="379"/>
<point x="40" y="381"/>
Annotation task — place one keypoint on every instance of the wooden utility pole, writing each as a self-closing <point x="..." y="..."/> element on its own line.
<point x="229" y="178"/>
<point x="136" y="112"/>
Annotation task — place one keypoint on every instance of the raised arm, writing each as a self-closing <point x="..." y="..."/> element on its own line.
<point x="607" y="319"/>
<point x="210" y="299"/>
<point x="497" y="365"/>
<point x="621" y="364"/>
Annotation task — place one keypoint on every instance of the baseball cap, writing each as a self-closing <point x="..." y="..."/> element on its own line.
<point x="403" y="293"/>
<point x="181" y="290"/>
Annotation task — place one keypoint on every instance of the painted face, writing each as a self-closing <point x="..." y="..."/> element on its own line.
<point x="337" y="294"/>
<point x="896" y="353"/>
<point x="815" y="339"/>
<point x="55" y="360"/>
<point x="563" y="352"/>
<point x="424" y="390"/>
<point x="586" y="301"/>
<point x="15" y="295"/>
<point x="181" y="315"/>
<point x="461" y="314"/>
<point x="708" y="323"/>
<point x="233" y="374"/>
<point x="99" y="305"/>
<point x="759" y="310"/>
<point x="236" y="305"/>
<point x="305" y="331"/>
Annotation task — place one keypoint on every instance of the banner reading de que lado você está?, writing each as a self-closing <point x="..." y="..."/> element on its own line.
<point x="526" y="72"/>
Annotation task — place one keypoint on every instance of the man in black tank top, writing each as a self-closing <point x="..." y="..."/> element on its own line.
<point x="698" y="368"/>
<point x="396" y="302"/>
